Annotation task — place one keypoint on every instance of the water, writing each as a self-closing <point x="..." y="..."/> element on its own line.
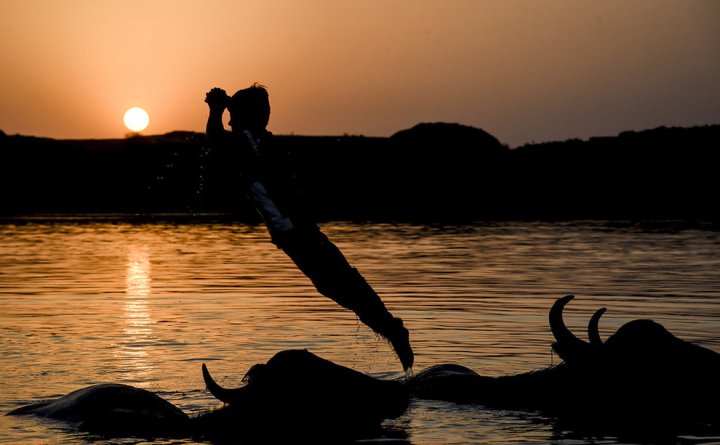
<point x="146" y="304"/>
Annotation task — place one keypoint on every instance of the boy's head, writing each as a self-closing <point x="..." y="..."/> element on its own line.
<point x="250" y="108"/>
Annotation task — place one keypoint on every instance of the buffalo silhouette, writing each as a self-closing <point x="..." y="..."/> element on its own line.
<point x="642" y="381"/>
<point x="294" y="393"/>
<point x="642" y="378"/>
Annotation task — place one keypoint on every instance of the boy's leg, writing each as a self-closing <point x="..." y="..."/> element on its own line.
<point x="321" y="261"/>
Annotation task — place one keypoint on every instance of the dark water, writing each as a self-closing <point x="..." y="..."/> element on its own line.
<point x="145" y="304"/>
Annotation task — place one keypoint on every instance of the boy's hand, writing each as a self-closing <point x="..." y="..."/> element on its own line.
<point x="217" y="99"/>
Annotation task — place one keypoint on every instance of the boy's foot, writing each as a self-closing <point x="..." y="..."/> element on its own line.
<point x="399" y="338"/>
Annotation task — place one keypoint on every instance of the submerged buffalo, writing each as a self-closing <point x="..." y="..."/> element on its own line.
<point x="295" y="392"/>
<point x="642" y="377"/>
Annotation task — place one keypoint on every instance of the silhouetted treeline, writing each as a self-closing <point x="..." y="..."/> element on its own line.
<point x="432" y="172"/>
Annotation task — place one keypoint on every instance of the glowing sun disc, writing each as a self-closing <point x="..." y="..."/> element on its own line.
<point x="136" y="119"/>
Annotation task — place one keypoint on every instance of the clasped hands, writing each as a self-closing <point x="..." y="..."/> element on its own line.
<point x="217" y="99"/>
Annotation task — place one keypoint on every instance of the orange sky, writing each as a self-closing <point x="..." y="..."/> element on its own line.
<point x="522" y="70"/>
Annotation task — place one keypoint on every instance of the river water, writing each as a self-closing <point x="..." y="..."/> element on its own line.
<point x="91" y="301"/>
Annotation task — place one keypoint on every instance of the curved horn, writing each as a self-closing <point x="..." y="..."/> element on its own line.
<point x="224" y="395"/>
<point x="593" y="331"/>
<point x="567" y="345"/>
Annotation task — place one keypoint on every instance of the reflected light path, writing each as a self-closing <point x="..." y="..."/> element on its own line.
<point x="137" y="331"/>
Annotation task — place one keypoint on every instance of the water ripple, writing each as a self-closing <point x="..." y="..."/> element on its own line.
<point x="147" y="303"/>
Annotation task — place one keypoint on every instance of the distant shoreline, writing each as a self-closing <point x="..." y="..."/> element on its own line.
<point x="436" y="172"/>
<point x="229" y="219"/>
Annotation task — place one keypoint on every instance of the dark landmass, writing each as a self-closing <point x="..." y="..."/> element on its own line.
<point x="429" y="173"/>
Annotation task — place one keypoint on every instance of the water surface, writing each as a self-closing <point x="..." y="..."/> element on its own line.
<point x="146" y="304"/>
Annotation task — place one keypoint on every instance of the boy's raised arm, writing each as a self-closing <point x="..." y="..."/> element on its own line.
<point x="217" y="100"/>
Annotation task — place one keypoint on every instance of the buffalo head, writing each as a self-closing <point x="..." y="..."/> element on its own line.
<point x="302" y="389"/>
<point x="641" y="377"/>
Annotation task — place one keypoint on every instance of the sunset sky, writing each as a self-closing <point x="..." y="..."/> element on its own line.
<point x="522" y="70"/>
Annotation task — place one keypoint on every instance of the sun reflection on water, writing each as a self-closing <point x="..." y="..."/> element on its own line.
<point x="137" y="330"/>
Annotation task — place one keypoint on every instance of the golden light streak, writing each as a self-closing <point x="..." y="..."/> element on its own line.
<point x="138" y="328"/>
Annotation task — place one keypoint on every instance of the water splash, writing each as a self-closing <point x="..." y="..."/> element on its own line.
<point x="408" y="373"/>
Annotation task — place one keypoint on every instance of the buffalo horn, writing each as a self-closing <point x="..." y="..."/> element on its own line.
<point x="567" y="345"/>
<point x="224" y="395"/>
<point x="593" y="330"/>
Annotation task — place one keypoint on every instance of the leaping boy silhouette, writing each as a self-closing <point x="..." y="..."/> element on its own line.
<point x="276" y="198"/>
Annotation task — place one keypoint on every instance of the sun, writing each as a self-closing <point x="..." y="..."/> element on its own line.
<point x="136" y="119"/>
